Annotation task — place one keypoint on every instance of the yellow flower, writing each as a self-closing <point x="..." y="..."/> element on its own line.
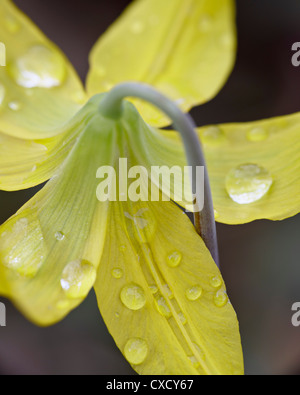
<point x="159" y="291"/>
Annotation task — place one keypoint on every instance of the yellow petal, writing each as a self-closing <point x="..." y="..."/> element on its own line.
<point x="266" y="152"/>
<point x="50" y="250"/>
<point x="258" y="165"/>
<point x="39" y="89"/>
<point x="27" y="163"/>
<point x="161" y="295"/>
<point x="185" y="49"/>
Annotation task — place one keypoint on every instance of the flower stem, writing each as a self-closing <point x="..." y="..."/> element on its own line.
<point x="111" y="106"/>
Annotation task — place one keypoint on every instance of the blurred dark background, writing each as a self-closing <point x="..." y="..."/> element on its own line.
<point x="260" y="261"/>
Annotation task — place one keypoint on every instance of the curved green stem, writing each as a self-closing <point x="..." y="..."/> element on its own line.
<point x="111" y="106"/>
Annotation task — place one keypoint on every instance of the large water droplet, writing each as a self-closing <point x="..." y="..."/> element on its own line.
<point x="194" y="293"/>
<point x="117" y="273"/>
<point x="2" y="93"/>
<point x="14" y="256"/>
<point x="133" y="297"/>
<point x="248" y="183"/>
<point x="174" y="259"/>
<point x="220" y="299"/>
<point x="39" y="67"/>
<point x="257" y="134"/>
<point x="136" y="351"/>
<point x="162" y="306"/>
<point x="78" y="278"/>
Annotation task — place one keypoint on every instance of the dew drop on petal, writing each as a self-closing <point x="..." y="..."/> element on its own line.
<point x="257" y="134"/>
<point x="78" y="278"/>
<point x="133" y="297"/>
<point x="182" y="318"/>
<point x="216" y="282"/>
<point x="153" y="288"/>
<point x="220" y="299"/>
<point x="12" y="252"/>
<point x="248" y="183"/>
<point x="162" y="306"/>
<point x="39" y="67"/>
<point x="136" y="350"/>
<point x="14" y="105"/>
<point x="213" y="136"/>
<point x="168" y="291"/>
<point x="59" y="236"/>
<point x="193" y="293"/>
<point x="117" y="273"/>
<point x="174" y="259"/>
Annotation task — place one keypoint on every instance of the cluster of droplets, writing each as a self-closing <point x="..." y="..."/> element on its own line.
<point x="133" y="297"/>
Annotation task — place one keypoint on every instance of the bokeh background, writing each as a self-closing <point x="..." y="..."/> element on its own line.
<point x="260" y="261"/>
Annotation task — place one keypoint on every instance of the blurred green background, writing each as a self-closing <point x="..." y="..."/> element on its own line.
<point x="260" y="261"/>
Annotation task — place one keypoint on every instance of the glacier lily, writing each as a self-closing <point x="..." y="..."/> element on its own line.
<point x="161" y="295"/>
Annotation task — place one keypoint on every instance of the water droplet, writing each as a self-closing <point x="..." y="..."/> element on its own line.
<point x="174" y="259"/>
<point x="168" y="291"/>
<point x="144" y="225"/>
<point x="78" y="278"/>
<point x="248" y="183"/>
<point x="2" y="93"/>
<point x="194" y="293"/>
<point x="117" y="315"/>
<point x="14" y="105"/>
<point x="133" y="297"/>
<point x="59" y="236"/>
<point x="137" y="27"/>
<point x="257" y="134"/>
<point x="136" y="350"/>
<point x="39" y="67"/>
<point x="21" y="232"/>
<point x="220" y="299"/>
<point x="153" y="289"/>
<point x="205" y="23"/>
<point x="117" y="272"/>
<point x="213" y="135"/>
<point x="12" y="25"/>
<point x="194" y="361"/>
<point x="122" y="248"/>
<point x="182" y="318"/>
<point x="216" y="282"/>
<point x="162" y="306"/>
